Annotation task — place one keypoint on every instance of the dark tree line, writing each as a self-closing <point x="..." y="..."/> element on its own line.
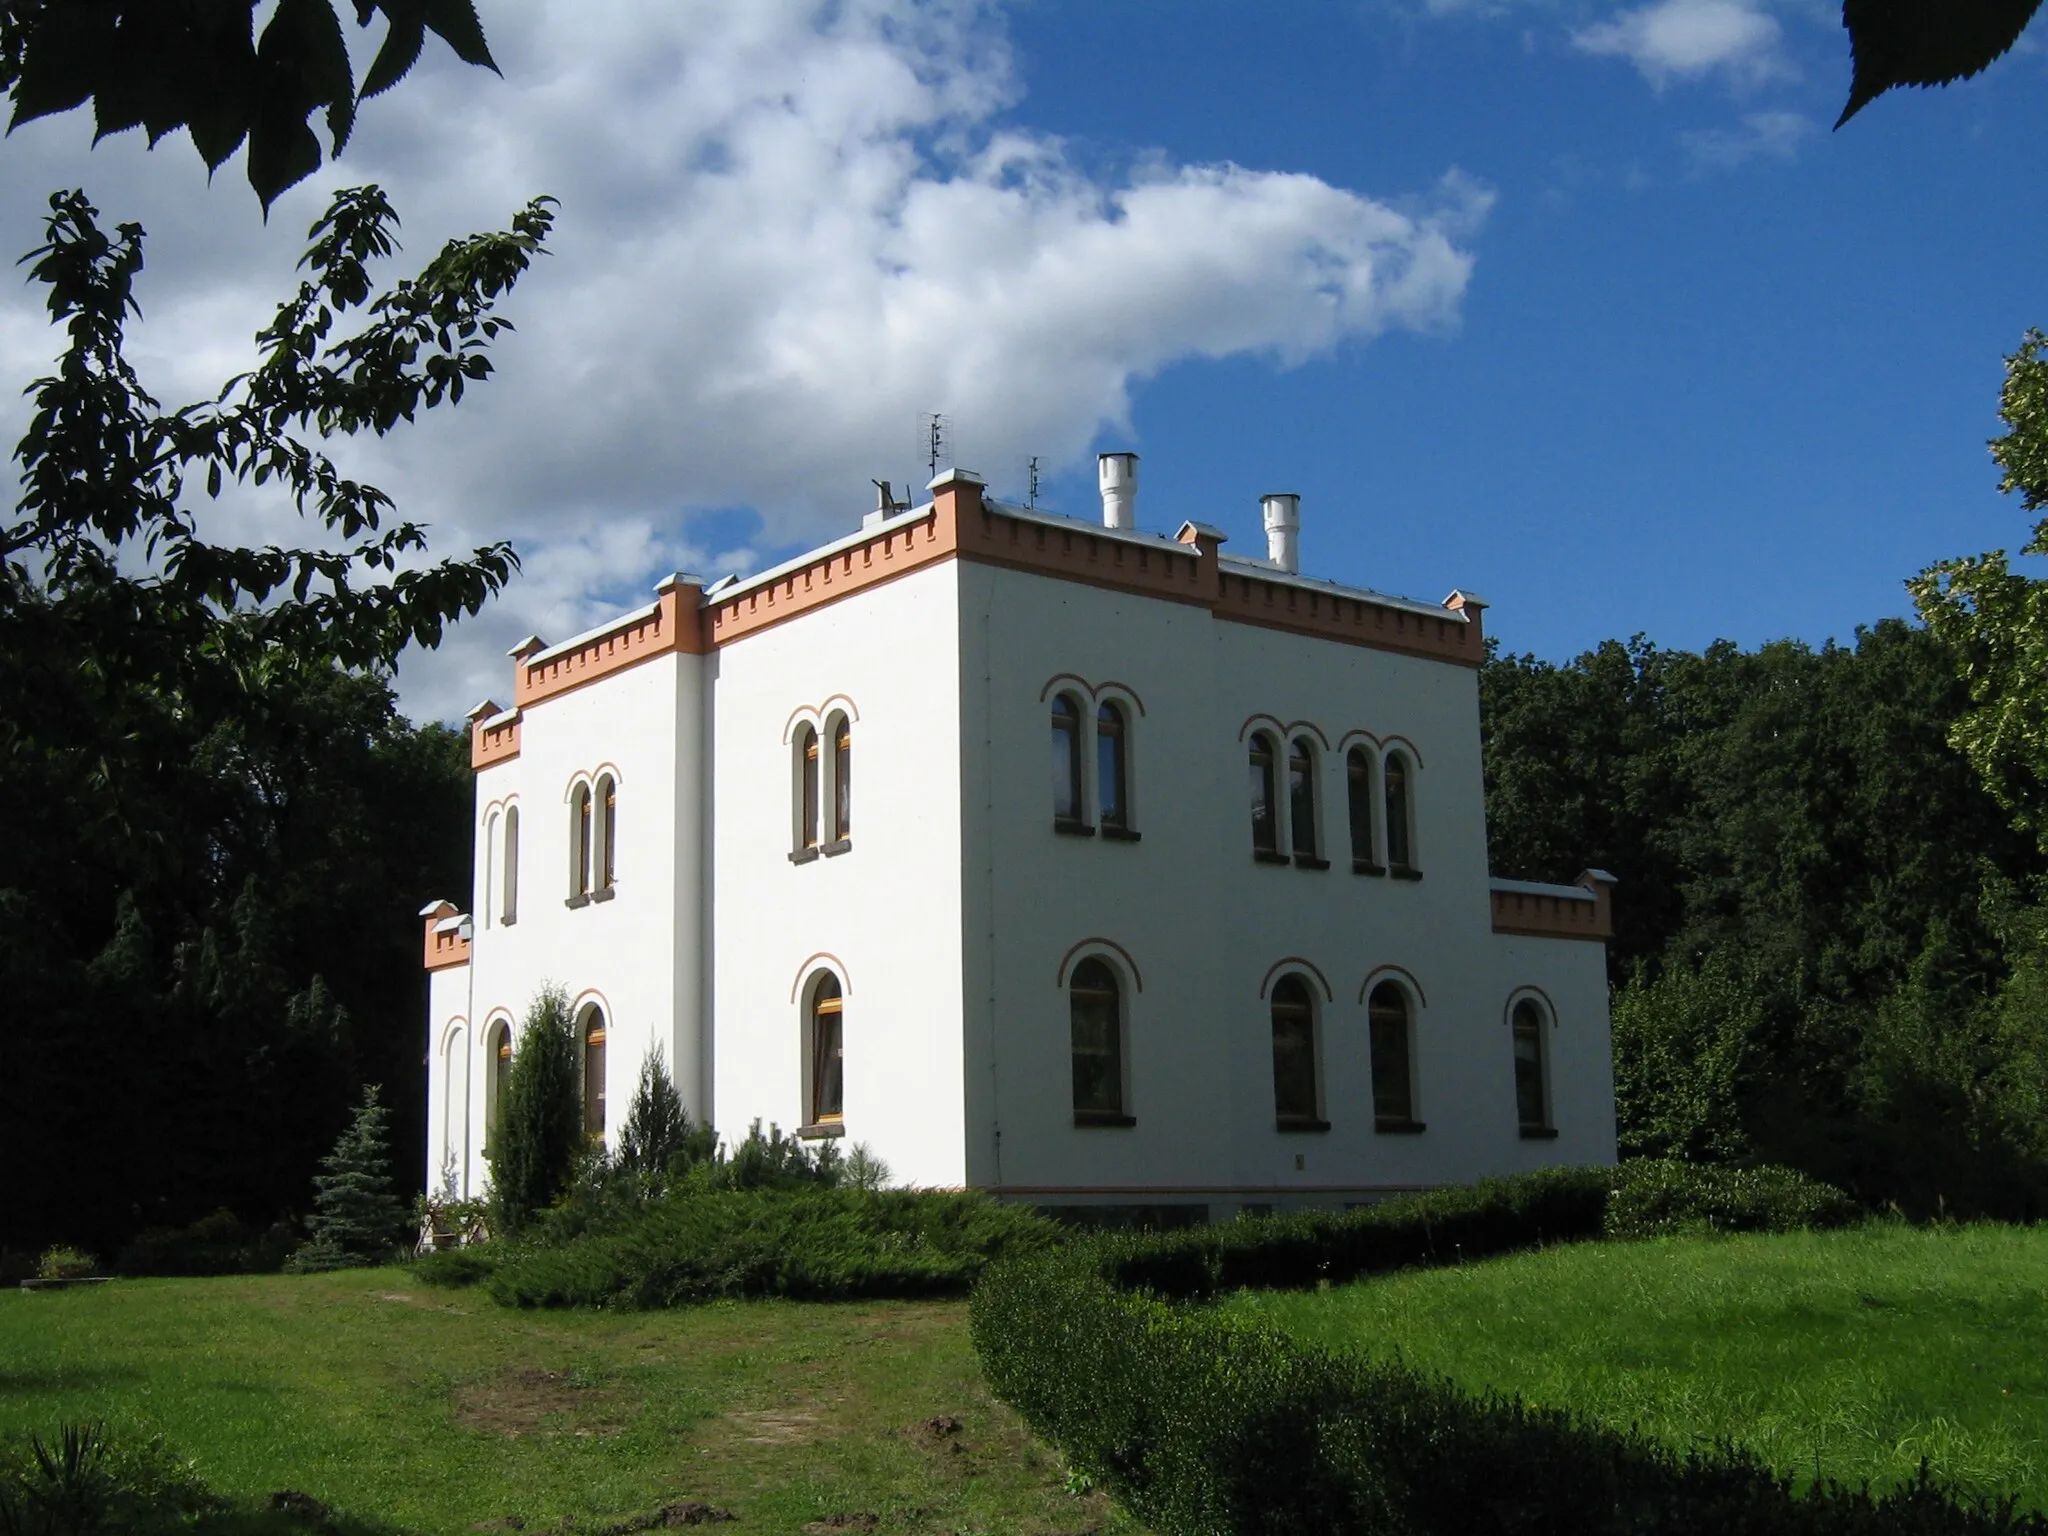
<point x="1828" y="935"/>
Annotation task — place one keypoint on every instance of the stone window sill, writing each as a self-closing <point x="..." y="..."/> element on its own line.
<point x="1367" y="867"/>
<point x="1268" y="856"/>
<point x="1290" y="1123"/>
<point x="1103" y="1117"/>
<point x="1310" y="861"/>
<point x="832" y="850"/>
<point x="1399" y="1127"/>
<point x="1120" y="834"/>
<point x="580" y="899"/>
<point x="1073" y="828"/>
<point x="804" y="855"/>
<point x="824" y="1130"/>
<point x="1405" y="872"/>
<point x="1539" y="1133"/>
<point x="606" y="894"/>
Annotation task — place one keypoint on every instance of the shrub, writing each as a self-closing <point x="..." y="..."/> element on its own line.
<point x="541" y="1133"/>
<point x="220" y="1244"/>
<point x="455" y="1267"/>
<point x="1203" y="1423"/>
<point x="658" y="1141"/>
<point x="65" y="1263"/>
<point x="87" y="1482"/>
<point x="356" y="1218"/>
<point x="813" y="1244"/>
<point x="1654" y="1197"/>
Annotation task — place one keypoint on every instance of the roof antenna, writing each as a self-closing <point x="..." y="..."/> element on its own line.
<point x="938" y="444"/>
<point x="1031" y="496"/>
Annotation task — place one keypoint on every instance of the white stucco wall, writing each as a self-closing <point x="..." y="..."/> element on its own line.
<point x="1201" y="926"/>
<point x="884" y="915"/>
<point x="636" y="956"/>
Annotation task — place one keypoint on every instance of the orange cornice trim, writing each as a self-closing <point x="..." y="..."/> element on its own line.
<point x="1535" y="916"/>
<point x="888" y="554"/>
<point x="673" y="624"/>
<point x="443" y="950"/>
<point x="495" y="744"/>
<point x="1244" y="598"/>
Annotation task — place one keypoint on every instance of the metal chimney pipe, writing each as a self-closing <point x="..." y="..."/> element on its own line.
<point x="1117" y="473"/>
<point x="1283" y="530"/>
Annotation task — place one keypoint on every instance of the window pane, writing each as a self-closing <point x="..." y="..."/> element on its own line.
<point x="808" y="828"/>
<point x="1529" y="1065"/>
<point x="842" y="781"/>
<point x="828" y="1084"/>
<point x="581" y="872"/>
<point x="1097" y="1045"/>
<point x="1301" y="797"/>
<point x="1397" y="813"/>
<point x="1390" y="1077"/>
<point x="1294" y="1056"/>
<point x="510" y="911"/>
<point x="1109" y="765"/>
<point x="593" y="1077"/>
<point x="1358" y="783"/>
<point x="1066" y="760"/>
<point x="1265" y="835"/>
<point x="607" y="875"/>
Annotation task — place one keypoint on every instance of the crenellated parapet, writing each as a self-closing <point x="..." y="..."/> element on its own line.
<point x="446" y="935"/>
<point x="1584" y="910"/>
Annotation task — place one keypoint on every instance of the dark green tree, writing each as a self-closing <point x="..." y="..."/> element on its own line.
<point x="540" y="1136"/>
<point x="357" y="1219"/>
<point x="162" y="65"/>
<point x="658" y="1134"/>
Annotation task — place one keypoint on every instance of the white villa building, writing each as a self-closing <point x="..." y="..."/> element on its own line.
<point x="1079" y="864"/>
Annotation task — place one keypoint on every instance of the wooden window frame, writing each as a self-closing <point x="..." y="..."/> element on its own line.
<point x="1538" y="1062"/>
<point x="1265" y="791"/>
<point x="1397" y="790"/>
<point x="1069" y="781"/>
<point x="591" y="1033"/>
<point x="1082" y="989"/>
<point x="1387" y="1116"/>
<point x="824" y="1021"/>
<point x="1361" y="797"/>
<point x="1112" y="768"/>
<point x="1292" y="1005"/>
<point x="842" y="780"/>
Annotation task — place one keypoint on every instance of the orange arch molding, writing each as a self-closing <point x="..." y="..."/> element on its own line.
<point x="1137" y="977"/>
<point x="1124" y="689"/>
<point x="1355" y="738"/>
<point x="1296" y="962"/>
<point x="1378" y="972"/>
<point x="1064" y="677"/>
<point x="1246" y="729"/>
<point x="591" y="995"/>
<point x="834" y="964"/>
<point x="1407" y="747"/>
<point x="1507" y="1012"/>
<point x="1310" y="725"/>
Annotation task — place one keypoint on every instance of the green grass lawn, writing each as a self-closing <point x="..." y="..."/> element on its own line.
<point x="1850" y="1353"/>
<point x="432" y="1411"/>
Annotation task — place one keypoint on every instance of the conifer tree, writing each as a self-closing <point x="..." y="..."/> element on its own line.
<point x="356" y="1218"/>
<point x="541" y="1133"/>
<point x="658" y="1133"/>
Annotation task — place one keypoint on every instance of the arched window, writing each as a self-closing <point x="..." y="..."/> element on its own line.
<point x="842" y="779"/>
<point x="1359" y="797"/>
<point x="579" y="839"/>
<point x="497" y="1079"/>
<point x="508" y="908"/>
<point x="1095" y="1011"/>
<point x="455" y="1112"/>
<point x="593" y="1073"/>
<point x="1295" y="1100"/>
<point x="1067" y="807"/>
<point x="1265" y="814"/>
<point x="809" y="787"/>
<point x="488" y="903"/>
<point x="607" y="832"/>
<point x="1532" y="1097"/>
<point x="1400" y="841"/>
<point x="827" y="1052"/>
<point x="1393" y="1091"/>
<point x="1112" y="790"/>
<point x="1301" y="797"/>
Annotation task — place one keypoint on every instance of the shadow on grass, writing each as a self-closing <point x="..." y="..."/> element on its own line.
<point x="65" y="1379"/>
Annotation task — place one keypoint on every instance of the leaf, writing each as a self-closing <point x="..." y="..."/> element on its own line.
<point x="455" y="23"/>
<point x="1925" y="42"/>
<point x="406" y="32"/>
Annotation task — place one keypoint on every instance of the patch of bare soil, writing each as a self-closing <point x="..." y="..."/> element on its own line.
<point x="790" y="1425"/>
<point x="528" y="1401"/>
<point x="831" y="1525"/>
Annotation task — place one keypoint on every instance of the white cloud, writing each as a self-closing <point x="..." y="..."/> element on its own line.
<point x="1762" y="135"/>
<point x="1686" y="39"/>
<point x="786" y="230"/>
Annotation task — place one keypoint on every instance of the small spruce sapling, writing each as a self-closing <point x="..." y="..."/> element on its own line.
<point x="658" y="1139"/>
<point x="356" y="1218"/>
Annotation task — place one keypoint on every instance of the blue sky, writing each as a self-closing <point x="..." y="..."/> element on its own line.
<point x="1703" y="384"/>
<point x="1581" y="306"/>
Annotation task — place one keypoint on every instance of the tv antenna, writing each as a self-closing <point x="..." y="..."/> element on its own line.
<point x="936" y="441"/>
<point x="1031" y="496"/>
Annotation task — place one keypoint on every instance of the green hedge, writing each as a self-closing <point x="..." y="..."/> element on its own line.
<point x="810" y="1245"/>
<point x="1655" y="1198"/>
<point x="1203" y="1423"/>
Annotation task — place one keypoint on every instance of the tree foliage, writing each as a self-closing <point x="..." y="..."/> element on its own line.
<point x="1821" y="955"/>
<point x="1995" y="619"/>
<point x="162" y="65"/>
<point x="218" y="806"/>
<point x="540" y="1134"/>
<point x="1925" y="42"/>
